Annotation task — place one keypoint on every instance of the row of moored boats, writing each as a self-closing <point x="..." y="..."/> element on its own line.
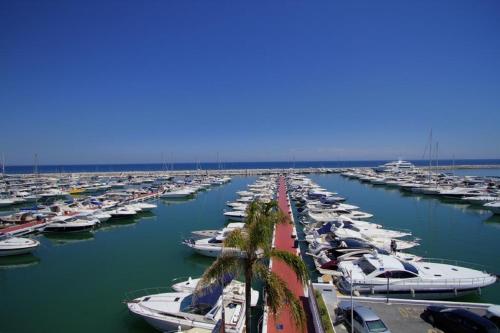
<point x="364" y="258"/>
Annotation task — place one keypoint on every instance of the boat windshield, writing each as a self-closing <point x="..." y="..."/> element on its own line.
<point x="366" y="266"/>
<point x="376" y="326"/>
<point x="187" y="306"/>
<point x="409" y="267"/>
<point x="214" y="241"/>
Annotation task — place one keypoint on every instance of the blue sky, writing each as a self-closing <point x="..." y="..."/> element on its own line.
<point x="125" y="81"/>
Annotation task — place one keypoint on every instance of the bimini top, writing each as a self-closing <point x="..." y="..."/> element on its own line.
<point x="211" y="294"/>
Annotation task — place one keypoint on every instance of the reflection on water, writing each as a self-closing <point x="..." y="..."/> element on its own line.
<point x="69" y="238"/>
<point x="176" y="201"/>
<point x="20" y="261"/>
<point x="493" y="220"/>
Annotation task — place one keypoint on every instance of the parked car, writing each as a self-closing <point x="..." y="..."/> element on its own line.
<point x="364" y="319"/>
<point x="454" y="320"/>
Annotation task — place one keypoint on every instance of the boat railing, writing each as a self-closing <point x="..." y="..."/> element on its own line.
<point x="466" y="264"/>
<point x="453" y="283"/>
<point x="131" y="295"/>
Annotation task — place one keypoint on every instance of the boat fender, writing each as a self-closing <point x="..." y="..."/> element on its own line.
<point x="372" y="290"/>
<point x="456" y="292"/>
<point x="479" y="291"/>
<point x="412" y="292"/>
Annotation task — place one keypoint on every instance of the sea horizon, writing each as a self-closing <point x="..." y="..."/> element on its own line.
<point x="178" y="166"/>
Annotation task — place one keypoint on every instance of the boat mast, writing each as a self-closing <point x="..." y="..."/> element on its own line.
<point x="36" y="179"/>
<point x="437" y="159"/>
<point x="3" y="165"/>
<point x="430" y="155"/>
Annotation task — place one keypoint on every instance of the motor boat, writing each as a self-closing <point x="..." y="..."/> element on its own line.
<point x="395" y="166"/>
<point x="236" y="215"/>
<point x="169" y="312"/>
<point x="480" y="200"/>
<point x="327" y="261"/>
<point x="213" y="245"/>
<point x="177" y="194"/>
<point x="71" y="224"/>
<point x="493" y="206"/>
<point x="377" y="274"/>
<point x="19" y="218"/>
<point x="327" y="216"/>
<point x="460" y="192"/>
<point x="10" y="245"/>
<point x="122" y="212"/>
<point x="142" y="206"/>
<point x="5" y="202"/>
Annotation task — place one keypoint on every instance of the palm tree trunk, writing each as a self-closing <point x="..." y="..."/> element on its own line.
<point x="248" y="298"/>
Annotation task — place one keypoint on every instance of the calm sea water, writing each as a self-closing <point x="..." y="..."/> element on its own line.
<point x="232" y="165"/>
<point x="76" y="284"/>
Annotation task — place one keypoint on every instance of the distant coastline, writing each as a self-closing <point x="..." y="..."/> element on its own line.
<point x="213" y="166"/>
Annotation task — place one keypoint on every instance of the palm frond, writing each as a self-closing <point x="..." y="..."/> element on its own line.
<point x="296" y="309"/>
<point x="236" y="239"/>
<point x="293" y="261"/>
<point x="224" y="264"/>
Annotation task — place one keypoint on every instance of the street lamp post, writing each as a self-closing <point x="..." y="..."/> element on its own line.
<point x="352" y="304"/>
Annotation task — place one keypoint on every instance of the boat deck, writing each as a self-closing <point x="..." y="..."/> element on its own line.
<point x="284" y="241"/>
<point x="25" y="228"/>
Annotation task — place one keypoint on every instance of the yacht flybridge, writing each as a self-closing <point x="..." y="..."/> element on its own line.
<point x="395" y="166"/>
<point x="377" y="274"/>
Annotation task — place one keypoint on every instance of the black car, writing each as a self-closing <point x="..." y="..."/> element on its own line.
<point x="455" y="320"/>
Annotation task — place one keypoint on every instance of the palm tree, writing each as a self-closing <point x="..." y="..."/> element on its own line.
<point x="252" y="252"/>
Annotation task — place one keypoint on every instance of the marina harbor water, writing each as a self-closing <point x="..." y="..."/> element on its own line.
<point x="92" y="272"/>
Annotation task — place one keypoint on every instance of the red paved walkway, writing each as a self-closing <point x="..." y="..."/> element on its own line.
<point x="284" y="241"/>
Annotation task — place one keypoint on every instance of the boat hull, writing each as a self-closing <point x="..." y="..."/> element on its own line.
<point x="15" y="252"/>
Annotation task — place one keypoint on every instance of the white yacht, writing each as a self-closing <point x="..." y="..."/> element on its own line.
<point x="169" y="312"/>
<point x="493" y="206"/>
<point x="460" y="192"/>
<point x="5" y="202"/>
<point x="395" y="166"/>
<point x="236" y="215"/>
<point x="142" y="206"/>
<point x="212" y="245"/>
<point x="480" y="200"/>
<point x="122" y="212"/>
<point x="179" y="194"/>
<point x="327" y="216"/>
<point x="374" y="274"/>
<point x="10" y="246"/>
<point x="71" y="224"/>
